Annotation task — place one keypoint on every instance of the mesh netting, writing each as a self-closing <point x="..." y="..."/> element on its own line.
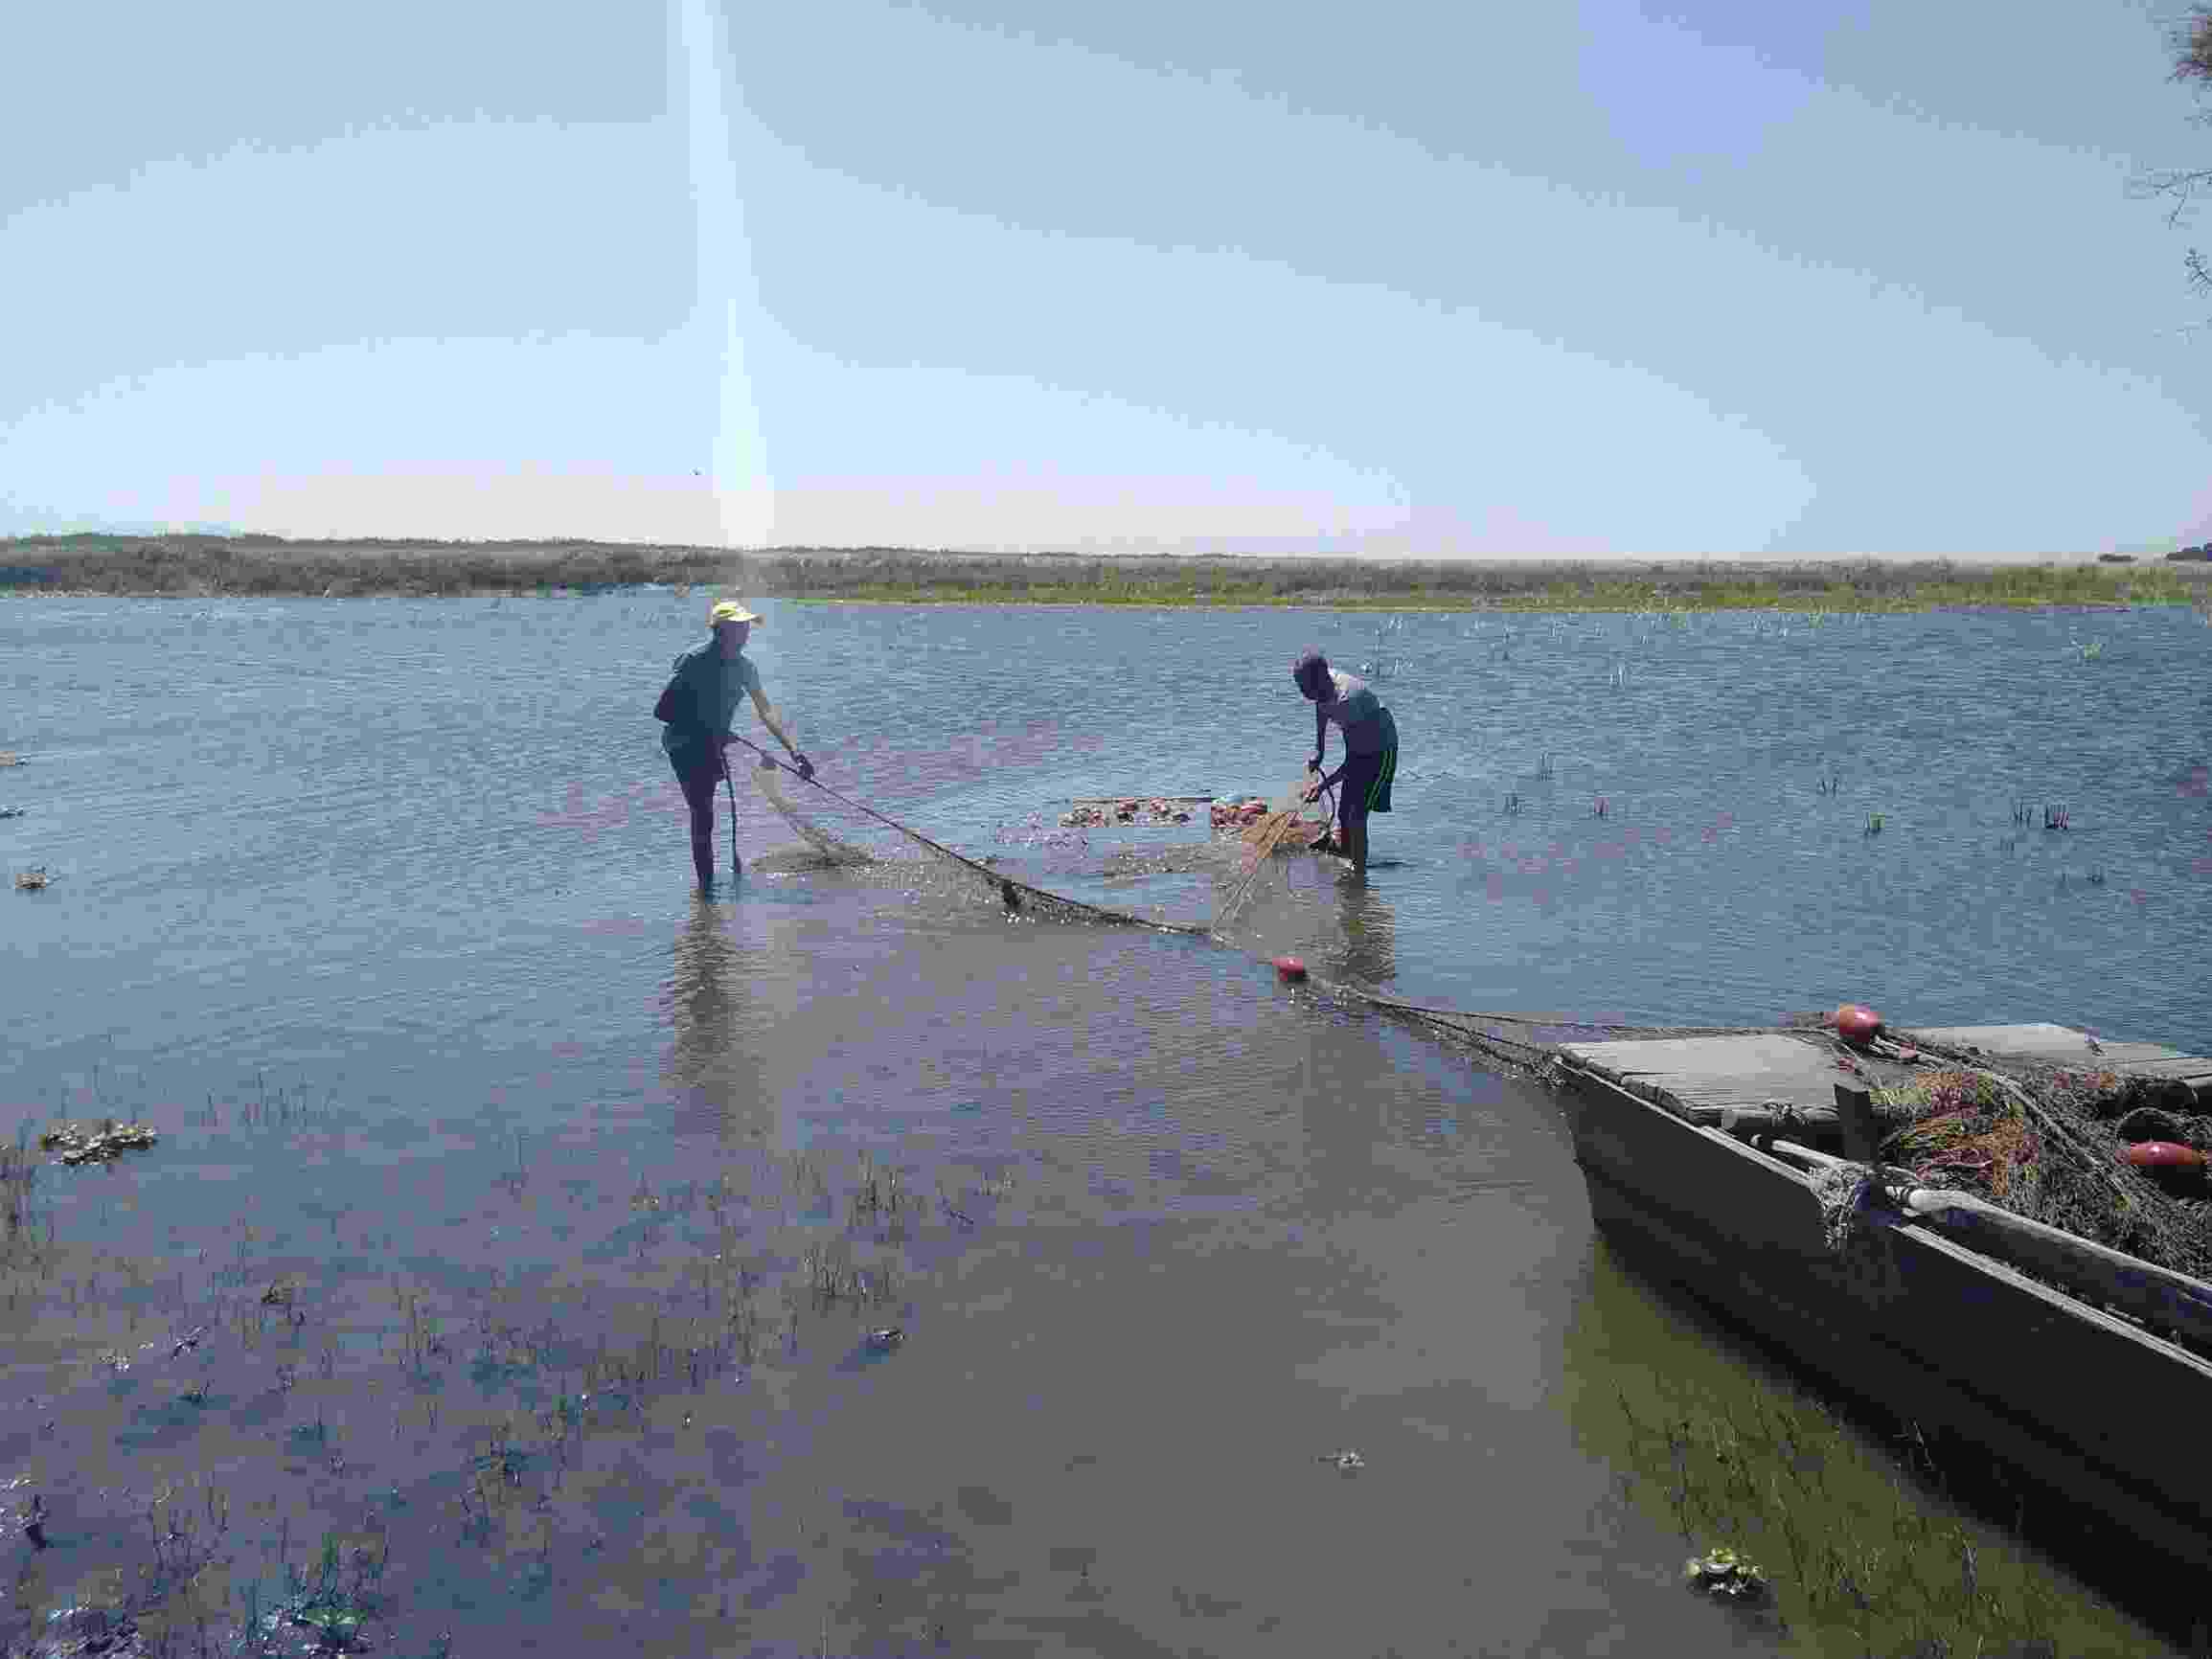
<point x="2038" y="1138"/>
<point x="2047" y="1142"/>
<point x="830" y="850"/>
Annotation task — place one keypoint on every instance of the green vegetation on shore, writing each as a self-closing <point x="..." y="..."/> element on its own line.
<point x="209" y="565"/>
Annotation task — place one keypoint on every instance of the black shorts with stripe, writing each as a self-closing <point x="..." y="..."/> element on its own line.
<point x="1364" y="785"/>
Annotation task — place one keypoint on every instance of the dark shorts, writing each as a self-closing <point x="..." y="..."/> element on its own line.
<point x="1364" y="786"/>
<point x="698" y="769"/>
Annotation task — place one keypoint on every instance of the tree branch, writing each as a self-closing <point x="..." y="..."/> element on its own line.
<point x="2192" y="42"/>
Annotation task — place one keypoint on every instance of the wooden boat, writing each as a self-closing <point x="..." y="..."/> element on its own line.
<point x="2088" y="1406"/>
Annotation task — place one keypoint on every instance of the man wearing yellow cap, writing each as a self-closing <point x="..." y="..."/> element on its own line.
<point x="700" y="702"/>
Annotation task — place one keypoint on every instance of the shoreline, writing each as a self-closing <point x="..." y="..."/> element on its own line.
<point x="219" y="567"/>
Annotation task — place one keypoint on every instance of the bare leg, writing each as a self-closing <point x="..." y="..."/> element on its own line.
<point x="698" y="786"/>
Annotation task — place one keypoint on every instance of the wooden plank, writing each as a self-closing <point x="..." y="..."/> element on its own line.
<point x="1861" y="1130"/>
<point x="1702" y="1077"/>
<point x="1823" y="1125"/>
<point x="2061" y="1044"/>
<point x="2055" y="1042"/>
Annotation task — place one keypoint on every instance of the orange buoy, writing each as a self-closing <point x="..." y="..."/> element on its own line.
<point x="1857" y="1023"/>
<point x="2163" y="1155"/>
<point x="1291" y="968"/>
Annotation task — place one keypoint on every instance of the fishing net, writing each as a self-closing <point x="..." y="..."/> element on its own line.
<point x="2046" y="1142"/>
<point x="2041" y="1138"/>
<point x="832" y="850"/>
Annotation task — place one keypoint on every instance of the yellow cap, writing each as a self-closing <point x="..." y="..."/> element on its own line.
<point x="731" y="610"/>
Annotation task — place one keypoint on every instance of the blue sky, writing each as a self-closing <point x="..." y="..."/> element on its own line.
<point x="1587" y="279"/>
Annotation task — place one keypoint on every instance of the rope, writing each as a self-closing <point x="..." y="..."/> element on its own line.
<point x="1263" y="850"/>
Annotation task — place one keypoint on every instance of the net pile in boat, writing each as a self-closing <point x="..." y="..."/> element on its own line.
<point x="2048" y="1142"/>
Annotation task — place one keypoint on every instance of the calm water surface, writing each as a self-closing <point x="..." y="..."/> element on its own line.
<point x="377" y="910"/>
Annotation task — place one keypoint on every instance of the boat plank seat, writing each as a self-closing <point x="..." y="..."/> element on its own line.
<point x="1700" y="1078"/>
<point x="2058" y="1043"/>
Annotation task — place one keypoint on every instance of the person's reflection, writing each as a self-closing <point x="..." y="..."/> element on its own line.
<point x="1369" y="929"/>
<point x="716" y="1082"/>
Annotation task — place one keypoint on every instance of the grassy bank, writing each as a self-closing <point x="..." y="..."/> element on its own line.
<point x="204" y="566"/>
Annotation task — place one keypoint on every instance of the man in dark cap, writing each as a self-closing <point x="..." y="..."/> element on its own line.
<point x="1370" y="749"/>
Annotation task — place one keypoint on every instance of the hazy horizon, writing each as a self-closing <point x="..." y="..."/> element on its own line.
<point x="1670" y="560"/>
<point x="1601" y="282"/>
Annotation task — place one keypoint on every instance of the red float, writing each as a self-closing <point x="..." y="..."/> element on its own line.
<point x="2163" y="1155"/>
<point x="1857" y="1023"/>
<point x="1290" y="967"/>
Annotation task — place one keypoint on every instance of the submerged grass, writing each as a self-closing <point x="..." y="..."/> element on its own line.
<point x="269" y="565"/>
<point x="1848" y="1546"/>
<point x="408" y="1415"/>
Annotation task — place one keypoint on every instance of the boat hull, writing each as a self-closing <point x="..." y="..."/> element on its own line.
<point x="2088" y="1409"/>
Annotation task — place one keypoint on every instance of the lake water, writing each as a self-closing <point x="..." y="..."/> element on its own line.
<point x="379" y="910"/>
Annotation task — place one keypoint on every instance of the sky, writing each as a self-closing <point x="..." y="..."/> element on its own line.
<point x="1589" y="278"/>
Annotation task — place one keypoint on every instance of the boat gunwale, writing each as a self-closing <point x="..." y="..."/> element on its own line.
<point x="2057" y="1297"/>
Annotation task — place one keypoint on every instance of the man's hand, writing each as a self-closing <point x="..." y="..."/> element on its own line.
<point x="1312" y="792"/>
<point x="1312" y="762"/>
<point x="804" y="765"/>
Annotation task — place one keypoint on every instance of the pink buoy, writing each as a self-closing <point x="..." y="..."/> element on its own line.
<point x="1291" y="968"/>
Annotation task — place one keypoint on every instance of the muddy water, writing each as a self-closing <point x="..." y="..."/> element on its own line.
<point x="504" y="1274"/>
<point x="1166" y="1237"/>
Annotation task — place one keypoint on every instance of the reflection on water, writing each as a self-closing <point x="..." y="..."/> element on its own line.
<point x="710" y="1073"/>
<point x="1368" y="928"/>
<point x="1710" y="1436"/>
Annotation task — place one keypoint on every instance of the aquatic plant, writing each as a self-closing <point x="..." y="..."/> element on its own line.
<point x="83" y="1144"/>
<point x="1907" y="1576"/>
<point x="1720" y="1572"/>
